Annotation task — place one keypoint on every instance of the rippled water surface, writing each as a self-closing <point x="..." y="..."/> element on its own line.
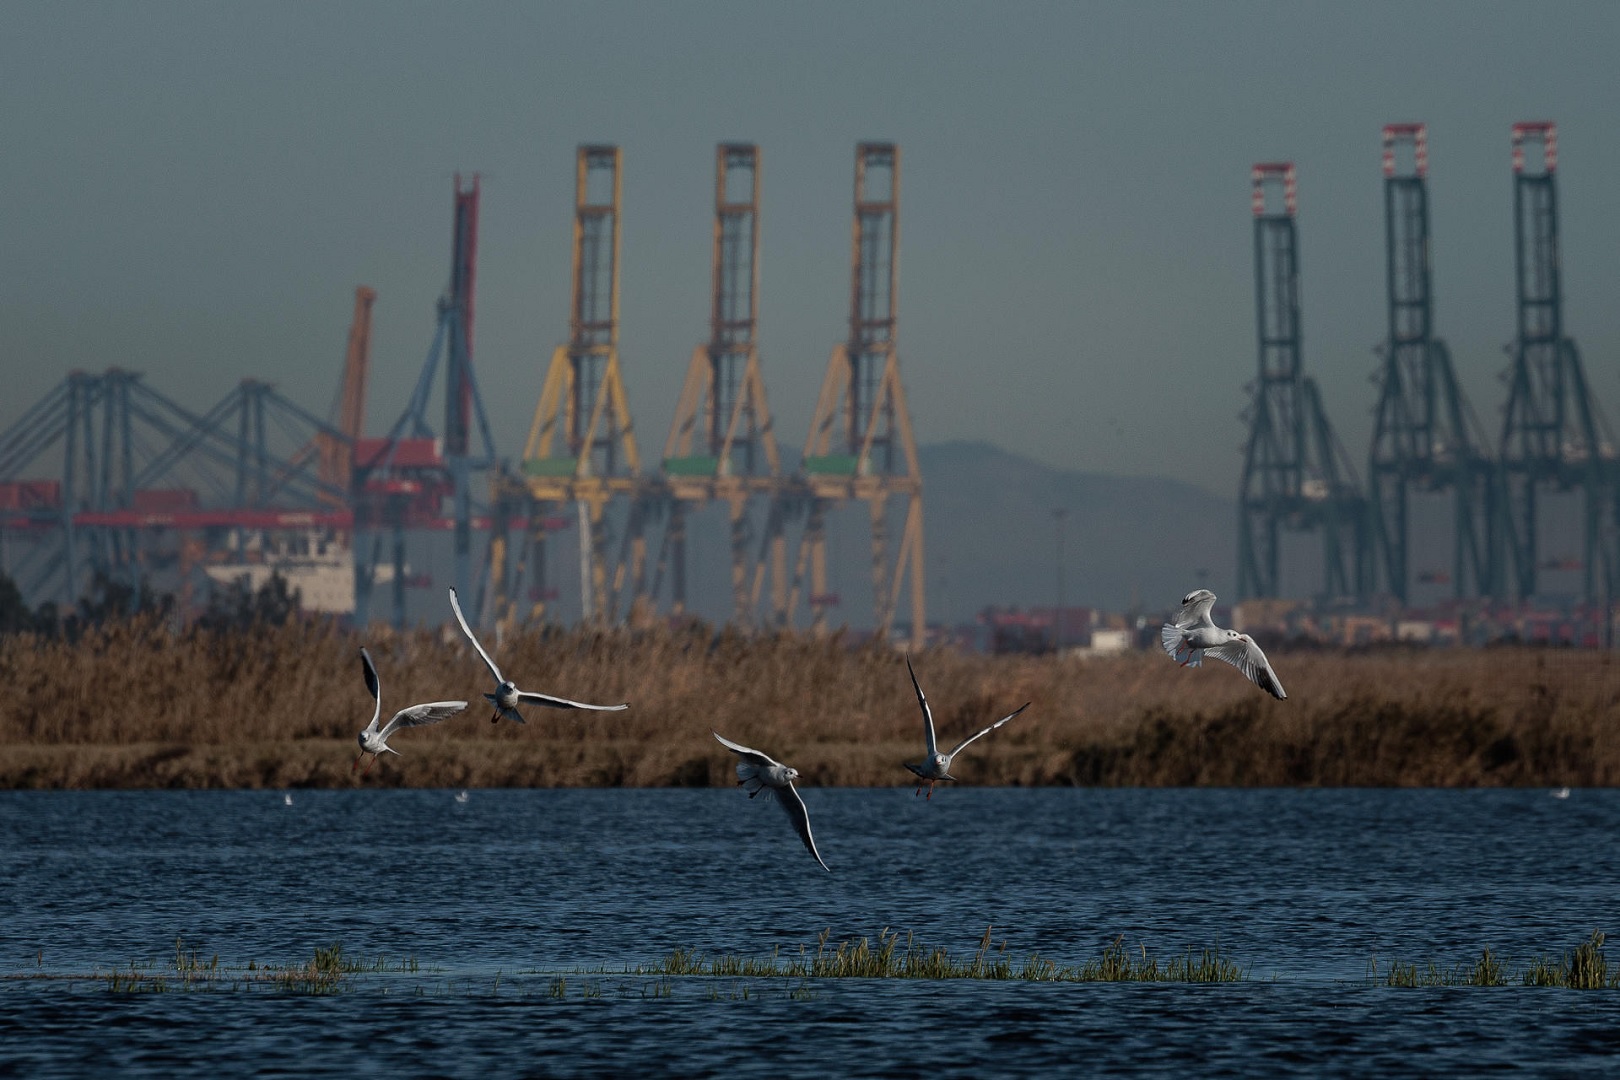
<point x="493" y="896"/>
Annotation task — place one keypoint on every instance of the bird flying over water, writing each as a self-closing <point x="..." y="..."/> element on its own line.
<point x="937" y="766"/>
<point x="507" y="696"/>
<point x="375" y="742"/>
<point x="758" y="772"/>
<point x="1192" y="634"/>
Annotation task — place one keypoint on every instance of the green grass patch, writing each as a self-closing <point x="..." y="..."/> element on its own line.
<point x="326" y="972"/>
<point x="895" y="957"/>
<point x="1583" y="968"/>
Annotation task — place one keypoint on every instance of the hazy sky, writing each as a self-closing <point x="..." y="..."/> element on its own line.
<point x="194" y="190"/>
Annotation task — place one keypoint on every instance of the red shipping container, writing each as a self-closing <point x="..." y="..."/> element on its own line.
<point x="408" y="453"/>
<point x="31" y="495"/>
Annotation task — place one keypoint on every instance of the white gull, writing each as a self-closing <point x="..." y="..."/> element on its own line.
<point x="374" y="741"/>
<point x="507" y="696"/>
<point x="759" y="772"/>
<point x="1193" y="634"/>
<point x="937" y="766"/>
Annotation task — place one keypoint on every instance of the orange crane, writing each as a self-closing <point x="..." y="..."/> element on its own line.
<point x="337" y="458"/>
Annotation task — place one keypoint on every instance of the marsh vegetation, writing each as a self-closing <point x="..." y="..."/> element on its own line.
<point x="132" y="704"/>
<point x="1582" y="968"/>
<point x="894" y="957"/>
<point x="737" y="977"/>
<point x="324" y="973"/>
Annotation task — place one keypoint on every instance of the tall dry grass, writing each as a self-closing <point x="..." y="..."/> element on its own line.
<point x="133" y="705"/>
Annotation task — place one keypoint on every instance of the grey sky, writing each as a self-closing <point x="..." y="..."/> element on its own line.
<point x="193" y="190"/>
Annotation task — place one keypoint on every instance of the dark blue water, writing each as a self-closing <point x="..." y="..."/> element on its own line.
<point x="493" y="896"/>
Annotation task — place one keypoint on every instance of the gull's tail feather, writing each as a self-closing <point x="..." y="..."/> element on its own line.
<point x="1170" y="637"/>
<point x="748" y="777"/>
<point x="1174" y="640"/>
<point x="914" y="768"/>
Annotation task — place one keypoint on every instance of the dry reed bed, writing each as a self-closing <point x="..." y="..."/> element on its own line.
<point x="134" y="706"/>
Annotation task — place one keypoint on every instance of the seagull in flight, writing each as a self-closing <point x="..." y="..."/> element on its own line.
<point x="1192" y="633"/>
<point x="507" y="696"/>
<point x="937" y="766"/>
<point x="375" y="742"/>
<point x="758" y="772"/>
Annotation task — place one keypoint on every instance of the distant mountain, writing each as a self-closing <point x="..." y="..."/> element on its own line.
<point x="992" y="539"/>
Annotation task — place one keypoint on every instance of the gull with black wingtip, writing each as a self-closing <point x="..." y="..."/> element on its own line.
<point x="374" y="741"/>
<point x="758" y="772"/>
<point x="937" y="766"/>
<point x="1193" y="634"/>
<point x="507" y="697"/>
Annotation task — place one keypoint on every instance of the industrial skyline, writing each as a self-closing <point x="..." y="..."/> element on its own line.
<point x="204" y="188"/>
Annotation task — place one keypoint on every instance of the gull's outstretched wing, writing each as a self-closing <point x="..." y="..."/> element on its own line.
<point x="753" y="757"/>
<point x="455" y="605"/>
<point x="374" y="685"/>
<point x="1195" y="610"/>
<point x="928" y="714"/>
<point x="794" y="805"/>
<point x="417" y="715"/>
<point x="1243" y="654"/>
<point x="963" y="745"/>
<point x="563" y="703"/>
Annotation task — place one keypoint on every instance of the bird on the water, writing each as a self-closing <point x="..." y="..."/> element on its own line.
<point x="1192" y="635"/>
<point x="507" y="696"/>
<point x="374" y="741"/>
<point x="937" y="766"/>
<point x="758" y="772"/>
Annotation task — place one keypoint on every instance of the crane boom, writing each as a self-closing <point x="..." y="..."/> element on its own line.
<point x="337" y="459"/>
<point x="352" y="418"/>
